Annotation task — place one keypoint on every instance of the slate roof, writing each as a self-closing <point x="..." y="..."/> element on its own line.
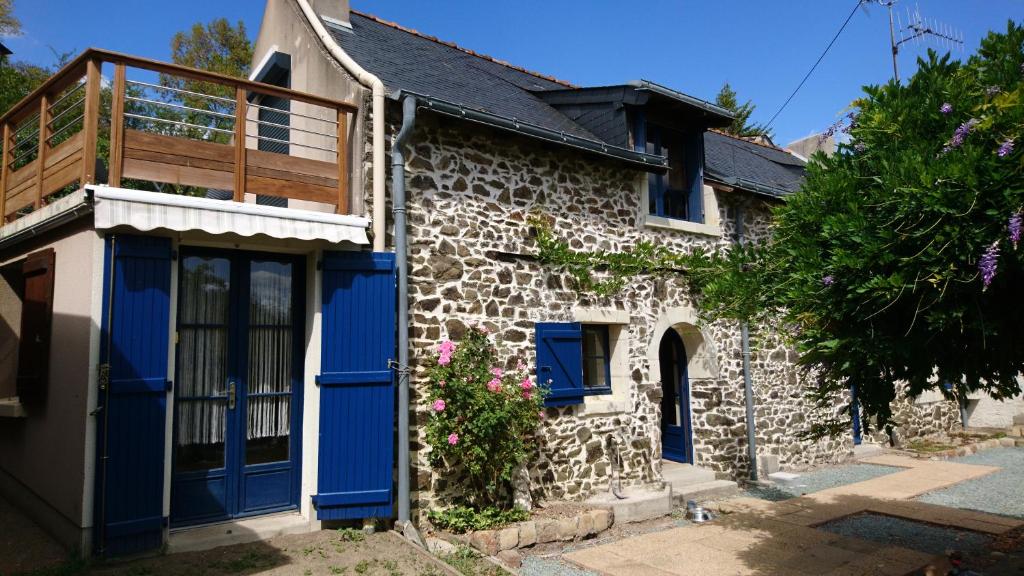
<point x="406" y="60"/>
<point x="728" y="159"/>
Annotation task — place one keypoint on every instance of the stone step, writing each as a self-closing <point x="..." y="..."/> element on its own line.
<point x="1017" y="430"/>
<point x="705" y="491"/>
<point x="640" y="504"/>
<point x="680" y="475"/>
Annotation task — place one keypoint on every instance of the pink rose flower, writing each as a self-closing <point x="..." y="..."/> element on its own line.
<point x="445" y="359"/>
<point x="494" y="385"/>
<point x="541" y="415"/>
<point x="527" y="394"/>
<point x="442" y="383"/>
<point x="439" y="405"/>
<point x="526" y="384"/>
<point x="453" y="438"/>
<point x="446" y="347"/>
<point x="520" y="365"/>
<point x="497" y="372"/>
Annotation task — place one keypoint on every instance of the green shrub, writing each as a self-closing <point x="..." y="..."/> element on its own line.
<point x="462" y="519"/>
<point x="483" y="419"/>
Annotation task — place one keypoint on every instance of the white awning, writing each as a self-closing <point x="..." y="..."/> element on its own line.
<point x="152" y="210"/>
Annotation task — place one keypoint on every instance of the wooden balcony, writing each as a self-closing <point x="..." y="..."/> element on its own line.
<point x="109" y="118"/>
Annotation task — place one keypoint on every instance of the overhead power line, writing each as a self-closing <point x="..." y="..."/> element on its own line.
<point x="818" y="61"/>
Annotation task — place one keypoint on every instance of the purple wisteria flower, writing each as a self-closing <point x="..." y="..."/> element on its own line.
<point x="1014" y="227"/>
<point x="961" y="132"/>
<point x="989" y="263"/>
<point x="828" y="280"/>
<point x="1006" y="148"/>
<point x="946" y="108"/>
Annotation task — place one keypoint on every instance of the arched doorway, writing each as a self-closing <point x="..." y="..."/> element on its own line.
<point x="676" y="440"/>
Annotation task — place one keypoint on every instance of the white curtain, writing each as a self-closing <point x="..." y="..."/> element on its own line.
<point x="270" y="350"/>
<point x="203" y="349"/>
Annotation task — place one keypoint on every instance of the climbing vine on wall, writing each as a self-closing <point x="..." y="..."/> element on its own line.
<point x="726" y="281"/>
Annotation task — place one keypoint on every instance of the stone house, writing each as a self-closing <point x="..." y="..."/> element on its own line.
<point x="639" y="384"/>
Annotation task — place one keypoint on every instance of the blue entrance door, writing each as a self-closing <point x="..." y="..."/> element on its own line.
<point x="675" y="399"/>
<point x="237" y="400"/>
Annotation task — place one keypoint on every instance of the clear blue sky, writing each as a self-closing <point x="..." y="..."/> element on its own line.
<point x="763" y="48"/>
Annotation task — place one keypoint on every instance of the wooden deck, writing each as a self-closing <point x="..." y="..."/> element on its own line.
<point x="266" y="140"/>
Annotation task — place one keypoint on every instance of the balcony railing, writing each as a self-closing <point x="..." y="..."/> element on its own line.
<point x="165" y="127"/>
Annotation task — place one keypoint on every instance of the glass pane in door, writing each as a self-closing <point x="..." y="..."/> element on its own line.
<point x="202" y="372"/>
<point x="268" y="418"/>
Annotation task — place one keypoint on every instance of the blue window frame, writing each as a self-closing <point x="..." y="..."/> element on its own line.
<point x="677" y="193"/>
<point x="597" y="373"/>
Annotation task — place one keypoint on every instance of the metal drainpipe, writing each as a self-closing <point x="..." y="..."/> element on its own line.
<point x="748" y="387"/>
<point x="402" y="265"/>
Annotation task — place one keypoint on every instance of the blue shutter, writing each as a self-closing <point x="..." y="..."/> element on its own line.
<point x="130" y="479"/>
<point x="694" y="169"/>
<point x="357" y="393"/>
<point x="560" y="360"/>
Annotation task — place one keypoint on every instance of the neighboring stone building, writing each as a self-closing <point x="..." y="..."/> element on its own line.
<point x="608" y="166"/>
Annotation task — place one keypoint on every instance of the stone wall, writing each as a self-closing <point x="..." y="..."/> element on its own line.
<point x="470" y="192"/>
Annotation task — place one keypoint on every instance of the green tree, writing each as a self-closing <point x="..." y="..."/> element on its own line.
<point x="9" y="23"/>
<point x="741" y="125"/>
<point x="897" y="265"/>
<point x="217" y="47"/>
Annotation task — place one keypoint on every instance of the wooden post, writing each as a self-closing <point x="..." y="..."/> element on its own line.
<point x="5" y="170"/>
<point x="241" y="106"/>
<point x="44" y="136"/>
<point x="342" y="207"/>
<point x="117" y="126"/>
<point x="91" y="121"/>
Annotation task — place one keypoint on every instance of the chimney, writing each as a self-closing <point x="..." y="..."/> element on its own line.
<point x="332" y="11"/>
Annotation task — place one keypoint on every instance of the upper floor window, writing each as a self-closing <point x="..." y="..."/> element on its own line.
<point x="678" y="193"/>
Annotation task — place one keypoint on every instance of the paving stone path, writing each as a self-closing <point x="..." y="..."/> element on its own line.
<point x="754" y="537"/>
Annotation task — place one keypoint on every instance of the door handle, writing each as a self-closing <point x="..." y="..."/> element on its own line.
<point x="231" y="396"/>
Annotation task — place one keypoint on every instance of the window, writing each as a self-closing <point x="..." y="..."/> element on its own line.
<point x="26" y="306"/>
<point x="597" y="377"/>
<point x="678" y="193"/>
<point x="574" y="360"/>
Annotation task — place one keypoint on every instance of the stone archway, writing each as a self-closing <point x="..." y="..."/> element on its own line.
<point x="701" y="363"/>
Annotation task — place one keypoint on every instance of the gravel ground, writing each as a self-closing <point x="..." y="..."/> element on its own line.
<point x="909" y="534"/>
<point x="1001" y="492"/>
<point x="537" y="566"/>
<point x="825" y="478"/>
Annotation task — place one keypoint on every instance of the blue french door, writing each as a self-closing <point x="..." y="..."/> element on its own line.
<point x="676" y="438"/>
<point x="237" y="399"/>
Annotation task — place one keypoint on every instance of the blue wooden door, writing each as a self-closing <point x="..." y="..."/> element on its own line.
<point x="133" y="395"/>
<point x="676" y="438"/>
<point x="357" y="392"/>
<point x="238" y="393"/>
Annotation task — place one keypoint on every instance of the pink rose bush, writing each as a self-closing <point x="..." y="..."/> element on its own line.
<point x="483" y="419"/>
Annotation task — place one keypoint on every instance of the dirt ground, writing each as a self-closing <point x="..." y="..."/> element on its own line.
<point x="23" y="545"/>
<point x="328" y="552"/>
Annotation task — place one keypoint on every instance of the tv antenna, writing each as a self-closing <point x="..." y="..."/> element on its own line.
<point x="917" y="30"/>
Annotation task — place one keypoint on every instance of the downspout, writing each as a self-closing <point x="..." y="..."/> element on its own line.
<point x="401" y="263"/>
<point x="748" y="387"/>
<point x="366" y="79"/>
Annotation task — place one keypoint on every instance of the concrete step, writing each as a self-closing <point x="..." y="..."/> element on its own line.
<point x="680" y="475"/>
<point x="639" y="504"/>
<point x="705" y="491"/>
<point x="239" y="532"/>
